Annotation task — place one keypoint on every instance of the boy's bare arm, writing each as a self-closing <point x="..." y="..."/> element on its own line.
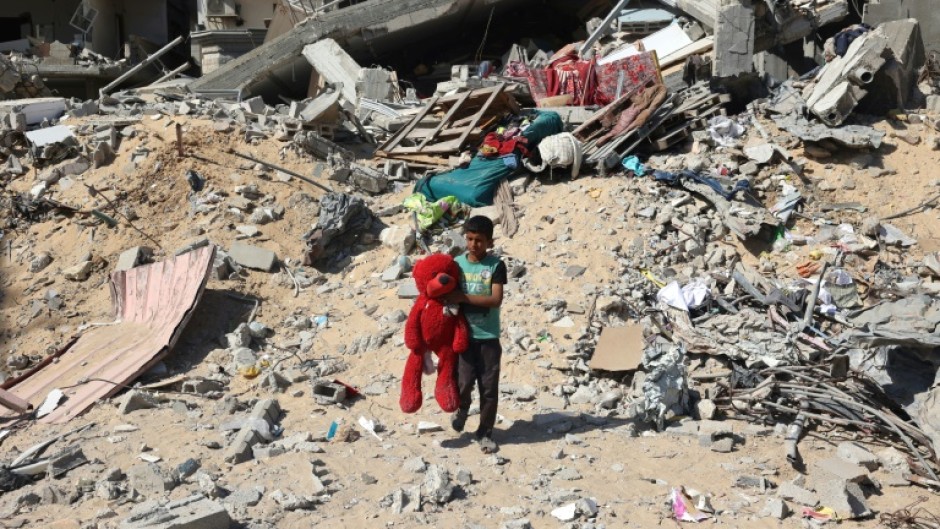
<point x="492" y="301"/>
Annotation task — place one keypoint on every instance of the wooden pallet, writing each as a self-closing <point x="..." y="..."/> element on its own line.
<point x="446" y="125"/>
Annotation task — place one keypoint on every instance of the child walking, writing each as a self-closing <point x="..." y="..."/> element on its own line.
<point x="482" y="278"/>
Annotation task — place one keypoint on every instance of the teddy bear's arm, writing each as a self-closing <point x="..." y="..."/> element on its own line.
<point x="461" y="334"/>
<point x="413" y="338"/>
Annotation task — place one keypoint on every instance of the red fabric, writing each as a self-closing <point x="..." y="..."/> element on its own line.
<point x="430" y="328"/>
<point x="587" y="82"/>
<point x="495" y="146"/>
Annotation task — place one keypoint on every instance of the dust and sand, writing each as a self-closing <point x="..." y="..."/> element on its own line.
<point x="587" y="221"/>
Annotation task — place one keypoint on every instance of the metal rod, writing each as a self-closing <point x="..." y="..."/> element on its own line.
<point x="172" y="73"/>
<point x="143" y="64"/>
<point x="602" y="29"/>
<point x="277" y="168"/>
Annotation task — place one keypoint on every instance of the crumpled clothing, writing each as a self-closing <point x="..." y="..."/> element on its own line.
<point x="632" y="163"/>
<point x="724" y="131"/>
<point x="674" y="178"/>
<point x="838" y="45"/>
<point x="430" y="213"/>
<point x="496" y="145"/>
<point x="560" y="150"/>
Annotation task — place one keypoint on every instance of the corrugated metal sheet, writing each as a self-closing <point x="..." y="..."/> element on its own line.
<point x="152" y="305"/>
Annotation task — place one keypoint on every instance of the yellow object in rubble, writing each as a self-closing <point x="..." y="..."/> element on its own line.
<point x="816" y="255"/>
<point x="649" y="275"/>
<point x="249" y="371"/>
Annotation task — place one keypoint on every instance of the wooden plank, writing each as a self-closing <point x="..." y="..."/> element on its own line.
<point x="11" y="401"/>
<point x="403" y="133"/>
<point x="479" y="114"/>
<point x="446" y="119"/>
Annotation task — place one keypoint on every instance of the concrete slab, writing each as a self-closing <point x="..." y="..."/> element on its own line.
<point x="194" y="512"/>
<point x="254" y="257"/>
<point x="334" y="66"/>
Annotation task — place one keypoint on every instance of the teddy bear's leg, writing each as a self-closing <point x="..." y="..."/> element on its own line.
<point x="445" y="390"/>
<point x="411" y="397"/>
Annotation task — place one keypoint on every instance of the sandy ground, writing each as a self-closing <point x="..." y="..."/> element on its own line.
<point x="630" y="477"/>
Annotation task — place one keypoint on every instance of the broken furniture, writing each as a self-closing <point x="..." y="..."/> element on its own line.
<point x="446" y="125"/>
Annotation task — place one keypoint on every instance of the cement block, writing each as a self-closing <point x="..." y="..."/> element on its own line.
<point x="734" y="38"/>
<point x="135" y="400"/>
<point x="267" y="409"/>
<point x="847" y="499"/>
<point x="795" y="493"/>
<point x="254" y="257"/>
<point x="857" y="454"/>
<point x="133" y="257"/>
<point x="241" y="448"/>
<point x="843" y="470"/>
<point x="407" y="290"/>
<point x="194" y="512"/>
<point x="149" y="479"/>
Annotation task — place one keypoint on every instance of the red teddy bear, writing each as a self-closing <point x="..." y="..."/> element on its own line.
<point x="437" y="327"/>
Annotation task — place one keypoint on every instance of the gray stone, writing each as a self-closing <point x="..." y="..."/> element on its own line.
<point x="415" y="465"/>
<point x="392" y="273"/>
<point x="464" y="477"/>
<point x="706" y="409"/>
<point x="790" y="491"/>
<point x="843" y="470"/>
<point x="775" y="508"/>
<point x="399" y="239"/>
<point x="135" y="400"/>
<point x="520" y="523"/>
<point x="847" y="499"/>
<point x="723" y="446"/>
<point x="583" y="395"/>
<point x="40" y="262"/>
<point x="437" y="484"/>
<point x="568" y="474"/>
<point x="79" y="272"/>
<point x="856" y="453"/>
<point x="149" y="479"/>
<point x="407" y="290"/>
<point x="253" y="256"/>
<point x="244" y="497"/>
<point x="133" y="257"/>
<point x="574" y="271"/>
<point x="194" y="512"/>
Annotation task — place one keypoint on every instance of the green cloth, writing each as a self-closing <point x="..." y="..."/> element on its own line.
<point x="476" y="279"/>
<point x="430" y="213"/>
<point x="474" y="185"/>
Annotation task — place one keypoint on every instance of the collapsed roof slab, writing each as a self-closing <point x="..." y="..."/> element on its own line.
<point x="789" y="25"/>
<point x="373" y="23"/>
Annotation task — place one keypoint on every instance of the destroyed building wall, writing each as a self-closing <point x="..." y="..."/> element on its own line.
<point x="116" y="21"/>
<point x="375" y="24"/>
<point x="925" y="11"/>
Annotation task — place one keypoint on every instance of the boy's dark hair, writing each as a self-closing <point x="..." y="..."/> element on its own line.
<point x="480" y="225"/>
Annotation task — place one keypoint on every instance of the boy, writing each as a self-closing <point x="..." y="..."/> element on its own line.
<point x="482" y="276"/>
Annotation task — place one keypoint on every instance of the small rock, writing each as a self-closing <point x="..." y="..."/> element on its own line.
<point x="78" y="272"/>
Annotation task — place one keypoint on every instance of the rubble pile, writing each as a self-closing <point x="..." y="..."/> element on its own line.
<point x="722" y="285"/>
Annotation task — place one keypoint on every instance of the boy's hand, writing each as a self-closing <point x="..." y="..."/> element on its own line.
<point x="455" y="297"/>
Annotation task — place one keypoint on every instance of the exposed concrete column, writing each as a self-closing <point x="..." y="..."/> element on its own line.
<point x="734" y="38"/>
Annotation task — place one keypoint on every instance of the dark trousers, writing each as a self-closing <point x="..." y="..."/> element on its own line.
<point x="479" y="365"/>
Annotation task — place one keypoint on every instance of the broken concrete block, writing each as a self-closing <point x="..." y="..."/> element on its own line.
<point x="734" y="38"/>
<point x="392" y="273"/>
<point x="133" y="257"/>
<point x="847" y="499"/>
<point x="135" y="400"/>
<point x="78" y="272"/>
<point x="150" y="480"/>
<point x="407" y="290"/>
<point x="842" y="82"/>
<point x="398" y="238"/>
<point x="775" y="508"/>
<point x="328" y="392"/>
<point x="798" y="494"/>
<point x="241" y="449"/>
<point x="857" y="454"/>
<point x="842" y="469"/>
<point x="194" y="512"/>
<point x="268" y="410"/>
<point x="254" y="257"/>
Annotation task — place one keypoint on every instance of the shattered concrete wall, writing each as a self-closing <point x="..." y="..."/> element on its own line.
<point x="15" y="85"/>
<point x="374" y="23"/>
<point x="925" y="11"/>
